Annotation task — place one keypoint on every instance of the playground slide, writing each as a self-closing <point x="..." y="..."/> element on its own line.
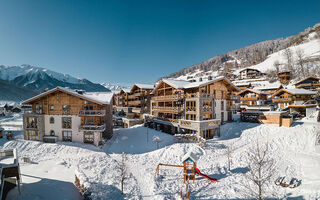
<point x="205" y="176"/>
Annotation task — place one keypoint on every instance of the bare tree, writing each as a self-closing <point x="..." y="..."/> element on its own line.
<point x="276" y="65"/>
<point x="289" y="59"/>
<point x="261" y="170"/>
<point x="301" y="60"/>
<point x="123" y="170"/>
<point x="228" y="154"/>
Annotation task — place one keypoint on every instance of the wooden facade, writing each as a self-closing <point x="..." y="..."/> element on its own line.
<point x="286" y="97"/>
<point x="310" y="83"/>
<point x="180" y="103"/>
<point x="284" y="77"/>
<point x="252" y="97"/>
<point x="68" y="114"/>
<point x="249" y="73"/>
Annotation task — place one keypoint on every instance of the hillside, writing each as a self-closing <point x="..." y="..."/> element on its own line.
<point x="253" y="55"/>
<point x="37" y="79"/>
<point x="11" y="92"/>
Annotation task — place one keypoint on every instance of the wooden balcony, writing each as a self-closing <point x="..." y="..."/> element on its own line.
<point x="135" y="103"/>
<point x="168" y="109"/>
<point x="282" y="100"/>
<point x="199" y="95"/>
<point x="136" y="110"/>
<point x="249" y="98"/>
<point x="168" y="119"/>
<point x="92" y="128"/>
<point x="308" y="85"/>
<point x="233" y="97"/>
<point x="137" y="94"/>
<point x="207" y="109"/>
<point x="92" y="113"/>
<point x="191" y="109"/>
<point x="174" y="97"/>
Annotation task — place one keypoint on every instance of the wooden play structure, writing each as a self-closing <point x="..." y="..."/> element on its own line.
<point x="190" y="171"/>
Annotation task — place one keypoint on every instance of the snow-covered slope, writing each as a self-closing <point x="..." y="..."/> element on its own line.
<point x="261" y="56"/>
<point x="311" y="50"/>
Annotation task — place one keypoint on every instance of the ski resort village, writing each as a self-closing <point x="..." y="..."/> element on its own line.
<point x="244" y="124"/>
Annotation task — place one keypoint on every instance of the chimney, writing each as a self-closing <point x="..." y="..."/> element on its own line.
<point x="209" y="78"/>
<point x="80" y="91"/>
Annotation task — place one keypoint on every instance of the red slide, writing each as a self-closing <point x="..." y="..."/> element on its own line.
<point x="203" y="175"/>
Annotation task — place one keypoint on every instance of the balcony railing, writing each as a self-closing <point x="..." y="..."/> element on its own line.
<point x="248" y="98"/>
<point x="173" y="97"/>
<point x="30" y="111"/>
<point x="278" y="100"/>
<point x="134" y="103"/>
<point x="94" y="128"/>
<point x="199" y="95"/>
<point x="32" y="126"/>
<point x="167" y="109"/>
<point x="92" y="112"/>
<point x="207" y="109"/>
<point x="168" y="119"/>
<point x="232" y="97"/>
<point x="191" y="109"/>
<point x="308" y="85"/>
<point x="136" y="110"/>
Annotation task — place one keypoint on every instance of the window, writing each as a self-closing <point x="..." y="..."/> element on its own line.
<point x="32" y="135"/>
<point x="51" y="120"/>
<point x="88" y="138"/>
<point x="89" y="121"/>
<point x="67" y="136"/>
<point x="32" y="122"/>
<point x="88" y="105"/>
<point x="66" y="122"/>
<point x="51" y="107"/>
<point x="66" y="109"/>
<point x="52" y="133"/>
<point x="222" y="105"/>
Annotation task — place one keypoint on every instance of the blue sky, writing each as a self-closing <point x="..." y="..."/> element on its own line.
<point x="139" y="41"/>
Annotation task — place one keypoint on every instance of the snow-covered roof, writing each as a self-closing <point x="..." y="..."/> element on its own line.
<point x="126" y="90"/>
<point x="182" y="84"/>
<point x="97" y="97"/>
<point x="194" y="154"/>
<point x="296" y="91"/>
<point x="103" y="97"/>
<point x="310" y="77"/>
<point x="145" y="86"/>
<point x="252" y="90"/>
<point x="270" y="86"/>
<point x="248" y="68"/>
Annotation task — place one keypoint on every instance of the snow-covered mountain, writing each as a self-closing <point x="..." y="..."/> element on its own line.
<point x="37" y="79"/>
<point x="113" y="87"/>
<point x="261" y="56"/>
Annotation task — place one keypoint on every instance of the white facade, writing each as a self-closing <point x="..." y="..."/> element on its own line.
<point x="218" y="111"/>
<point x="75" y="123"/>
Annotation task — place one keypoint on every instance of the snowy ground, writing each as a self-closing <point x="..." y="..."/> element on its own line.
<point x="50" y="175"/>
